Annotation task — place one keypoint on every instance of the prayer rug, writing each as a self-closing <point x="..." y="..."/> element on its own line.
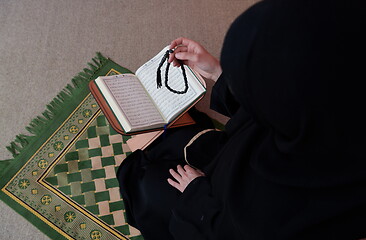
<point x="63" y="177"/>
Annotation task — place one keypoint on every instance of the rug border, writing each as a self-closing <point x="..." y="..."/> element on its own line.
<point x="16" y="164"/>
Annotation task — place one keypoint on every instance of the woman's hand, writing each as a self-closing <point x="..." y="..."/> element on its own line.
<point x="183" y="176"/>
<point x="195" y="56"/>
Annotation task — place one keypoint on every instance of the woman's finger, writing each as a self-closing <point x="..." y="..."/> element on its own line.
<point x="172" y="55"/>
<point x="175" y="184"/>
<point x="192" y="171"/>
<point x="185" y="42"/>
<point x="179" y="41"/>
<point x="187" y="56"/>
<point x="188" y="169"/>
<point x="175" y="175"/>
<point x="173" y="59"/>
<point x="175" y="43"/>
<point x="181" y="48"/>
<point x="181" y="171"/>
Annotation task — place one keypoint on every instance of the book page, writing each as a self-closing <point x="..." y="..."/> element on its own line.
<point x="169" y="104"/>
<point x="133" y="100"/>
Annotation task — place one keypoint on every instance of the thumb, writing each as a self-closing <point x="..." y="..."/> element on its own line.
<point x="186" y="56"/>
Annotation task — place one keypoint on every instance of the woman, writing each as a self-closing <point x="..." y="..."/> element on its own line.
<point x="290" y="163"/>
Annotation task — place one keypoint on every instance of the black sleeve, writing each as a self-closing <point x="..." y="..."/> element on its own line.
<point x="222" y="100"/>
<point x="194" y="216"/>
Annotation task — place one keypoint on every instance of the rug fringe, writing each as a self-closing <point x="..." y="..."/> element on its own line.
<point x="39" y="124"/>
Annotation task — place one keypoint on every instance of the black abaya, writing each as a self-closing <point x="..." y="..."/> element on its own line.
<point x="290" y="163"/>
<point x="143" y="176"/>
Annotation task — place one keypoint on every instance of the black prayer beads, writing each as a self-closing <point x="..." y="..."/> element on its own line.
<point x="158" y="75"/>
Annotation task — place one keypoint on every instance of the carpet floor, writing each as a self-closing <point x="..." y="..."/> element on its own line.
<point x="44" y="43"/>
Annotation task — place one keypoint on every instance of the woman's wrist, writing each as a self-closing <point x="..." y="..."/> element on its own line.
<point x="217" y="73"/>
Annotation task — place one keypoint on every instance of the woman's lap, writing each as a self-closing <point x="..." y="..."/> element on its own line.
<point x="143" y="182"/>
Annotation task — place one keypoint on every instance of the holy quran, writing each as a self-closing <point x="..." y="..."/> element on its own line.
<point x="134" y="103"/>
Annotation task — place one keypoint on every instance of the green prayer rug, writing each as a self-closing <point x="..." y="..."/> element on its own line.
<point x="63" y="176"/>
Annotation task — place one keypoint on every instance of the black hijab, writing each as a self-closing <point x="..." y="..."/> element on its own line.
<point x="293" y="163"/>
<point x="283" y="62"/>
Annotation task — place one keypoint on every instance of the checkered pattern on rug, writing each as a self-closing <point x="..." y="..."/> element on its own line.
<point x="87" y="174"/>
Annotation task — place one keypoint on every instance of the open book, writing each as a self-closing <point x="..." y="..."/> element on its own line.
<point x="137" y="103"/>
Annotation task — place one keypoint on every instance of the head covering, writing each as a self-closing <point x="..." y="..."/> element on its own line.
<point x="292" y="163"/>
<point x="284" y="63"/>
